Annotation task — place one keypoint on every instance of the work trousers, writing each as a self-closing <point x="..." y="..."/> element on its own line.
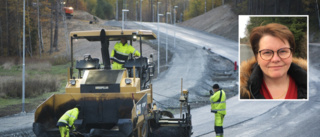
<point x="116" y="66"/>
<point x="64" y="131"/>
<point x="218" y="123"/>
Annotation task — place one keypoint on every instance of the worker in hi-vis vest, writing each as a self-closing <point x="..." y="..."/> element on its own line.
<point x="121" y="52"/>
<point x="218" y="106"/>
<point x="66" y="121"/>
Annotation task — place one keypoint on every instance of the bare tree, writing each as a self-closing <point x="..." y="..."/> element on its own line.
<point x="56" y="28"/>
<point x="76" y="4"/>
<point x="29" y="48"/>
<point x="51" y="27"/>
<point x="205" y="6"/>
<point x="65" y="32"/>
<point x="41" y="38"/>
<point x="39" y="29"/>
<point x="1" y="46"/>
<point x="8" y="41"/>
<point x="213" y="4"/>
<point x="151" y="6"/>
<point x="18" y="32"/>
<point x="137" y="11"/>
<point x="165" y="13"/>
<point x="318" y="12"/>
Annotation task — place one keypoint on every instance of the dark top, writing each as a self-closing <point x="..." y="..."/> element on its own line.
<point x="296" y="72"/>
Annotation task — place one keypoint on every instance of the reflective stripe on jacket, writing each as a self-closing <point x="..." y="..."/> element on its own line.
<point x="121" y="52"/>
<point x="218" y="102"/>
<point x="69" y="117"/>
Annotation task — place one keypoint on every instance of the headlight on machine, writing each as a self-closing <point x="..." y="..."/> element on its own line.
<point x="134" y="36"/>
<point x="73" y="82"/>
<point x="128" y="81"/>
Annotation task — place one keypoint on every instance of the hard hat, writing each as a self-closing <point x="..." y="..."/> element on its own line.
<point x="215" y="86"/>
<point x="124" y="37"/>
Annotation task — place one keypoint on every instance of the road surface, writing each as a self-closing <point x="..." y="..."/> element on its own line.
<point x="190" y="61"/>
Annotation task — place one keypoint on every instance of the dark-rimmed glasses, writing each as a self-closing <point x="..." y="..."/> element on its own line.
<point x="267" y="54"/>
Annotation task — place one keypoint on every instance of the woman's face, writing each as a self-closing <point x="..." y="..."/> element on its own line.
<point x="276" y="67"/>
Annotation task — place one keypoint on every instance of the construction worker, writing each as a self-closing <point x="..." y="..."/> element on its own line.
<point x="154" y="106"/>
<point x="218" y="106"/>
<point x="121" y="52"/>
<point x="66" y="121"/>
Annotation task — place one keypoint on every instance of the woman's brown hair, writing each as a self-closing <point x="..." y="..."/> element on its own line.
<point x="273" y="29"/>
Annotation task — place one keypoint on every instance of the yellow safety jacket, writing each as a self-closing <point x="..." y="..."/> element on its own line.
<point x="69" y="117"/>
<point x="121" y="52"/>
<point x="218" y="102"/>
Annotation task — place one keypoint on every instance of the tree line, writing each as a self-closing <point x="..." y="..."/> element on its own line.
<point x="187" y="9"/>
<point x="41" y="15"/>
<point x="112" y="9"/>
<point x="45" y="15"/>
<point x="44" y="18"/>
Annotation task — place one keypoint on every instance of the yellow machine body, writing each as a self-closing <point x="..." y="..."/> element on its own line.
<point x="106" y="96"/>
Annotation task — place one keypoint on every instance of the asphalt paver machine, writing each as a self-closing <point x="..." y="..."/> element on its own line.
<point x="113" y="102"/>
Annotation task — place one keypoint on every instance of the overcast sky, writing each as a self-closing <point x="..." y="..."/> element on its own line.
<point x="243" y="20"/>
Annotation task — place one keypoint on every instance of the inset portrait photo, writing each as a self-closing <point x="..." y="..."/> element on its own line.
<point x="273" y="57"/>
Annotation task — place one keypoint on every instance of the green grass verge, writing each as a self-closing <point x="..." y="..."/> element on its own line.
<point x="14" y="71"/>
<point x="14" y="105"/>
<point x="9" y="106"/>
<point x="16" y="101"/>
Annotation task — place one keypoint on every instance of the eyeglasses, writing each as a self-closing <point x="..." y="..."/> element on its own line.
<point x="267" y="54"/>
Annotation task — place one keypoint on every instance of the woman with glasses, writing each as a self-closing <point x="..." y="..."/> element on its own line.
<point x="273" y="72"/>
